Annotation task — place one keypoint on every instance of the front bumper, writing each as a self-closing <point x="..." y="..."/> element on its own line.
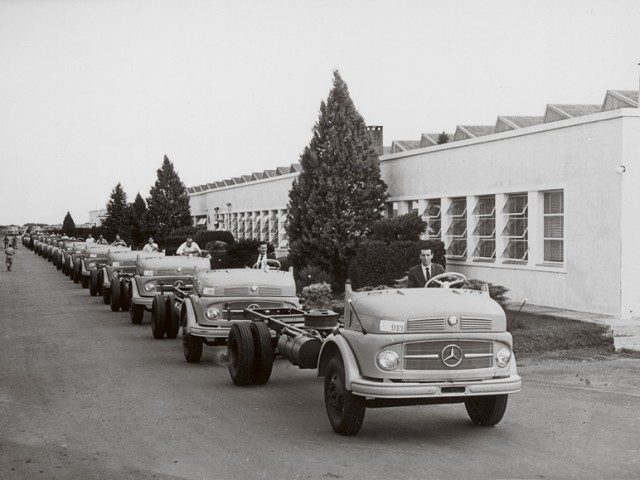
<point x="211" y="333"/>
<point x="497" y="386"/>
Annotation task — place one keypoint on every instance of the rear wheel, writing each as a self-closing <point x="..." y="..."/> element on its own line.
<point x="158" y="317"/>
<point x="263" y="353"/>
<point x="486" y="410"/>
<point x="115" y="294"/>
<point x="240" y="353"/>
<point x="344" y="409"/>
<point x="191" y="346"/>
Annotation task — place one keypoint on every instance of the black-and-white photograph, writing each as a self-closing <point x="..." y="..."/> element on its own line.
<point x="319" y="240"/>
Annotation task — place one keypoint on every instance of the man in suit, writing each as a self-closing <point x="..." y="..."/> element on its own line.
<point x="426" y="270"/>
<point x="260" y="259"/>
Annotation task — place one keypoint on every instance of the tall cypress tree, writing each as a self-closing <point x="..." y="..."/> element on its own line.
<point x="117" y="219"/>
<point x="68" y="225"/>
<point x="138" y="214"/>
<point x="339" y="193"/>
<point x="168" y="202"/>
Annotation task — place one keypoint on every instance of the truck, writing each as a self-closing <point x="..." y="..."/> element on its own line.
<point x="393" y="347"/>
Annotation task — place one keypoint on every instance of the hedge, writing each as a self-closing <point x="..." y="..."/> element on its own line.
<point x="382" y="263"/>
<point x="203" y="237"/>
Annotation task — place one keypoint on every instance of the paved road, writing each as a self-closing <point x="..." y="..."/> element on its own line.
<point x="86" y="394"/>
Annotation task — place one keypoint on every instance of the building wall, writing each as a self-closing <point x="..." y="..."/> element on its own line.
<point x="578" y="157"/>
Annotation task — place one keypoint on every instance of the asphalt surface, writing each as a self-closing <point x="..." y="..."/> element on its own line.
<point x="85" y="394"/>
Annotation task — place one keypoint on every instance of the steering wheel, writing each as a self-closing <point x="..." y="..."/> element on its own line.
<point x="458" y="280"/>
<point x="272" y="264"/>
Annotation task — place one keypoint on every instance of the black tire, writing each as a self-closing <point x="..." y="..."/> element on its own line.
<point x="263" y="353"/>
<point x="344" y="409"/>
<point x="100" y="281"/>
<point x="77" y="272"/>
<point x="192" y="347"/>
<point x="93" y="283"/>
<point x="84" y="281"/>
<point x="172" y="325"/>
<point x="486" y="410"/>
<point x="116" y="291"/>
<point x="158" y="317"/>
<point x="125" y="296"/>
<point x="136" y="313"/>
<point x="106" y="295"/>
<point x="240" y="353"/>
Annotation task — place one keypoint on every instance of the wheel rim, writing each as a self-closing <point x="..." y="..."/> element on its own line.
<point x="334" y="394"/>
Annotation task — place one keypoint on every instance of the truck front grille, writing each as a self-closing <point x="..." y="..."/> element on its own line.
<point x="431" y="355"/>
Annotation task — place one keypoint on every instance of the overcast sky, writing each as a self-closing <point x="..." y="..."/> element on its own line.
<point x="93" y="93"/>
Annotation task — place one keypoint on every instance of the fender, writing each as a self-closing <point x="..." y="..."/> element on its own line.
<point x="333" y="345"/>
<point x="191" y="314"/>
<point x="133" y="285"/>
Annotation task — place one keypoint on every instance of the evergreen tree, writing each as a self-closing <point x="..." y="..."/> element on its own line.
<point x="117" y="219"/>
<point x="168" y="202"/>
<point x="68" y="225"/>
<point x="339" y="193"/>
<point x="138" y="213"/>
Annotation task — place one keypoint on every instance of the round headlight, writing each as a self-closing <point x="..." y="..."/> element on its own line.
<point x="503" y="357"/>
<point x="452" y="320"/>
<point x="92" y="264"/>
<point x="149" y="286"/>
<point x="388" y="360"/>
<point x="212" y="313"/>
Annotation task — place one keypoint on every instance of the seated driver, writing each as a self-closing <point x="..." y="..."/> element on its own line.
<point x="260" y="259"/>
<point x="188" y="248"/>
<point x="424" y="271"/>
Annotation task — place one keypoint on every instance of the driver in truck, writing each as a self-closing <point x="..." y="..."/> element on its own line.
<point x="420" y="274"/>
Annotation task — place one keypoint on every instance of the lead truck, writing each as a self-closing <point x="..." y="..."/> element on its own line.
<point x="394" y="347"/>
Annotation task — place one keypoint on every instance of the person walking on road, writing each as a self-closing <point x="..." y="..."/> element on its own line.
<point x="9" y="253"/>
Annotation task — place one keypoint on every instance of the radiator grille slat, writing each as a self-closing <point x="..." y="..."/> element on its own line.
<point x="475" y="354"/>
<point x="475" y="324"/>
<point x="429" y="324"/>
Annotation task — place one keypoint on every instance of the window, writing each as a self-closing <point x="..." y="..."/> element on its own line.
<point x="413" y="207"/>
<point x="515" y="233"/>
<point x="255" y="234"/>
<point x="282" y="235"/>
<point x="485" y="232"/>
<point x="431" y="215"/>
<point x="234" y="224"/>
<point x="554" y="226"/>
<point x="457" y="233"/>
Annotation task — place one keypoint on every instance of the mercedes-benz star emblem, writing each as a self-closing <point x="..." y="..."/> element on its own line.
<point x="451" y="355"/>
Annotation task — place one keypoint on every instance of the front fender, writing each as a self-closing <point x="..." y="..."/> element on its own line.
<point x="338" y="345"/>
<point x="190" y="317"/>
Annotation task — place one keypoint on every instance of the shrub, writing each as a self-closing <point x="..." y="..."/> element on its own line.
<point x="171" y="244"/>
<point x="187" y="231"/>
<point x="381" y="263"/>
<point x="316" y="295"/>
<point x="204" y="237"/>
<point x="404" y="227"/>
<point x="309" y="276"/>
<point x="285" y="263"/>
<point x="497" y="292"/>
<point x="239" y="253"/>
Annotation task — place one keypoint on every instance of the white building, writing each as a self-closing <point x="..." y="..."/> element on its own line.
<point x="547" y="206"/>
<point x="96" y="217"/>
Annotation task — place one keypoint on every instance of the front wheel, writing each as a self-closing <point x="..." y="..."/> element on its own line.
<point x="93" y="283"/>
<point x="115" y="294"/>
<point x="486" y="410"/>
<point x="192" y="347"/>
<point x="158" y="317"/>
<point x="344" y="409"/>
<point x="136" y="313"/>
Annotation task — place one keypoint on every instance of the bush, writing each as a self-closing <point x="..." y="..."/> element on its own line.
<point x="285" y="263"/>
<point x="309" y="276"/>
<point x="407" y="227"/>
<point x="497" y="292"/>
<point x="171" y="244"/>
<point x="204" y="237"/>
<point x="187" y="231"/>
<point x="316" y="295"/>
<point x="239" y="253"/>
<point x="381" y="263"/>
